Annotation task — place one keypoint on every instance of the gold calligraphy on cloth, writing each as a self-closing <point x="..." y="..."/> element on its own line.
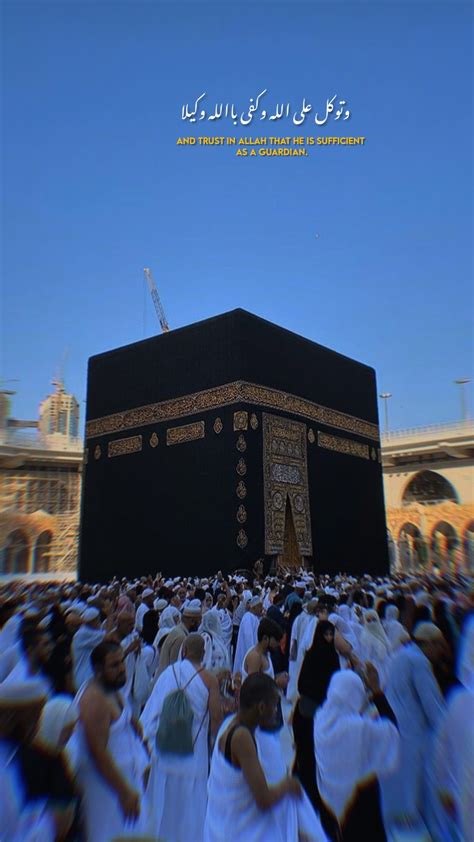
<point x="340" y="445"/>
<point x="220" y="396"/>
<point x="121" y="447"/>
<point x="188" y="432"/>
<point x="285" y="475"/>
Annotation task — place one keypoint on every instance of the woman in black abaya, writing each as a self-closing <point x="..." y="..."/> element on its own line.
<point x="319" y="665"/>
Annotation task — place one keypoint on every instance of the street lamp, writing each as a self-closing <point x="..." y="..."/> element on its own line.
<point x="462" y="382"/>
<point x="385" y="396"/>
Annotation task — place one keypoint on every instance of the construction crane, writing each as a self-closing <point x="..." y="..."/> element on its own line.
<point x="156" y="301"/>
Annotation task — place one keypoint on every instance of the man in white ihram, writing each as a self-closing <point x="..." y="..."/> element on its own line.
<point x="178" y="783"/>
<point x="416" y="700"/>
<point x="247" y="638"/>
<point x="114" y="764"/>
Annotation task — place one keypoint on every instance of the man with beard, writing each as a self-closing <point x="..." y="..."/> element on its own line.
<point x="190" y="622"/>
<point x="114" y="762"/>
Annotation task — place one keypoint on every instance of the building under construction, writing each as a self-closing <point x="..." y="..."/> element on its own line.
<point x="40" y="486"/>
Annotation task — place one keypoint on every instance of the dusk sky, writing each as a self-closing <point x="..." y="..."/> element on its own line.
<point x="365" y="249"/>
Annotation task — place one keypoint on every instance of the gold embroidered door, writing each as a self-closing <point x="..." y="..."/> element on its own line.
<point x="290" y="559"/>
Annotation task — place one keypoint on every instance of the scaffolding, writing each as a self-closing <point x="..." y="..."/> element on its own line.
<point x="39" y="513"/>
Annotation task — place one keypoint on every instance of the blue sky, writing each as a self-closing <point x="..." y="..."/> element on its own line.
<point x="95" y="186"/>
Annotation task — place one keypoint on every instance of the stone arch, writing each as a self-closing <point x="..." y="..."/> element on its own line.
<point x="17" y="552"/>
<point x="41" y="553"/>
<point x="412" y="549"/>
<point x="468" y="546"/>
<point x="444" y="540"/>
<point x="428" y="488"/>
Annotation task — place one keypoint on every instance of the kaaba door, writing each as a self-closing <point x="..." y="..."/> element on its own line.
<point x="291" y="558"/>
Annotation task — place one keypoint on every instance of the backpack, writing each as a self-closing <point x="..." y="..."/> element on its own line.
<point x="175" y="731"/>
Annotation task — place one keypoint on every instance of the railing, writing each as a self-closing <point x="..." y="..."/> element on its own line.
<point x="457" y="427"/>
<point x="34" y="442"/>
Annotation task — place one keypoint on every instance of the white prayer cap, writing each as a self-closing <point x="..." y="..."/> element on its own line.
<point x="256" y="600"/>
<point x="23" y="692"/>
<point x="193" y="608"/>
<point x="90" y="614"/>
<point x="160" y="604"/>
<point x="300" y="584"/>
<point x="427" y="633"/>
<point x="147" y="592"/>
<point x="177" y="578"/>
<point x="169" y="583"/>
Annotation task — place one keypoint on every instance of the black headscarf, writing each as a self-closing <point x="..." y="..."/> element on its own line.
<point x="319" y="664"/>
<point x="150" y="626"/>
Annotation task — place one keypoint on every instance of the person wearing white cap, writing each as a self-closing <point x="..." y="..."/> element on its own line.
<point x="190" y="622"/>
<point x="160" y="605"/>
<point x="416" y="700"/>
<point x="296" y="595"/>
<point x="146" y="605"/>
<point x="22" y="820"/>
<point x="248" y="629"/>
<point x="84" y="641"/>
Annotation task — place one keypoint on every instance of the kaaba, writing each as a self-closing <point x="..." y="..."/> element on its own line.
<point x="228" y="441"/>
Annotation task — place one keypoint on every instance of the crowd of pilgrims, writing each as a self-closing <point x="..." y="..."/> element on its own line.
<point x="243" y="707"/>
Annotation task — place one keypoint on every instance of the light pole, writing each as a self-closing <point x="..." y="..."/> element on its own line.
<point x="385" y="396"/>
<point x="462" y="382"/>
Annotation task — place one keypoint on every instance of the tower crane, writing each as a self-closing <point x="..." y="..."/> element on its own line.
<point x="156" y="301"/>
